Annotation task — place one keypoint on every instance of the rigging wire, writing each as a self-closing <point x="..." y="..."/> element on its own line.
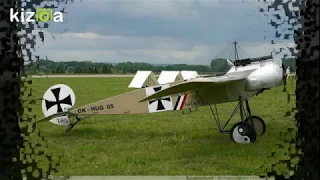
<point x="244" y="52"/>
<point x="224" y="50"/>
<point x="236" y="53"/>
<point x="231" y="53"/>
<point x="241" y="54"/>
<point x="217" y="56"/>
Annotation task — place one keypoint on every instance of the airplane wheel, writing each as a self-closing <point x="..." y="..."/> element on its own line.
<point x="258" y="124"/>
<point x="242" y="132"/>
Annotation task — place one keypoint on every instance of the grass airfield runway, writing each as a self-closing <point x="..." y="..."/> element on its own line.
<point x="84" y="76"/>
<point x="162" y="144"/>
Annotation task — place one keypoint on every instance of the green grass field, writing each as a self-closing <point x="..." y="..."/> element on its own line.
<point x="168" y="143"/>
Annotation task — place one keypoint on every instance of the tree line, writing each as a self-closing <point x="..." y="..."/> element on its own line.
<point x="87" y="67"/>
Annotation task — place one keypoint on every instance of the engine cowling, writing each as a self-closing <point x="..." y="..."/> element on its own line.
<point x="268" y="76"/>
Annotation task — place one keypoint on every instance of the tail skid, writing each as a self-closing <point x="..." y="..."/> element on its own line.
<point x="73" y="124"/>
<point x="65" y="119"/>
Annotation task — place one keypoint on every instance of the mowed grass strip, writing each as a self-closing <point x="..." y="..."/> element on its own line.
<point x="167" y="143"/>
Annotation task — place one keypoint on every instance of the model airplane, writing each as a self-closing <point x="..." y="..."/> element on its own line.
<point x="246" y="78"/>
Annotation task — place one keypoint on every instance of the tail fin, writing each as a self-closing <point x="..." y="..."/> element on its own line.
<point x="187" y="75"/>
<point x="143" y="79"/>
<point x="56" y="102"/>
<point x="167" y="77"/>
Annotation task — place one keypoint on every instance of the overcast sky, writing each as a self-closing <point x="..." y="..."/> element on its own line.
<point x="158" y="31"/>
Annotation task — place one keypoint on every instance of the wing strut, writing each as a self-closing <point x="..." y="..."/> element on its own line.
<point x="245" y="113"/>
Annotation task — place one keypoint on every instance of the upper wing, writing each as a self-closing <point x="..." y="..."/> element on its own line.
<point x="196" y="84"/>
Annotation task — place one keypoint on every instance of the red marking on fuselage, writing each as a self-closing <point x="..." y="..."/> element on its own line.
<point x="183" y="101"/>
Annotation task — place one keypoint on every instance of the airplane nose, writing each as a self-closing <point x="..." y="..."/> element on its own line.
<point x="267" y="76"/>
<point x="253" y="80"/>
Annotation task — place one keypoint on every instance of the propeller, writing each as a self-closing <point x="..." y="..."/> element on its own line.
<point x="285" y="78"/>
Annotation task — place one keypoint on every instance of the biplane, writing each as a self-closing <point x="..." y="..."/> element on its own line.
<point x="246" y="78"/>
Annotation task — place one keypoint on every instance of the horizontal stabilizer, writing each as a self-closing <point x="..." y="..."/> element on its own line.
<point x="166" y="77"/>
<point x="189" y="74"/>
<point x="143" y="79"/>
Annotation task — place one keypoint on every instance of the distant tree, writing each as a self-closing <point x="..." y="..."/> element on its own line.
<point x="78" y="69"/>
<point x="94" y="70"/>
<point x="106" y="69"/>
<point x="90" y="69"/>
<point x="127" y="67"/>
<point x="216" y="65"/>
<point x="60" y="68"/>
<point x="158" y="68"/>
<point x="114" y="70"/>
<point x="44" y="69"/>
<point x="70" y="69"/>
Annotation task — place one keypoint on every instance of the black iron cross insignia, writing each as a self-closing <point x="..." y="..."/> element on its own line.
<point x="159" y="101"/>
<point x="66" y="100"/>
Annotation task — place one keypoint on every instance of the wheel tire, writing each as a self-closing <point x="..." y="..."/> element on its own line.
<point x="242" y="132"/>
<point x="258" y="124"/>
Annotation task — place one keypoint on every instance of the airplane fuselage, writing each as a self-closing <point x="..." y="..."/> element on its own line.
<point x="260" y="76"/>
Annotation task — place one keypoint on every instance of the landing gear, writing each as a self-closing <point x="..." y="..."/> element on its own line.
<point x="255" y="121"/>
<point x="244" y="131"/>
<point x="258" y="124"/>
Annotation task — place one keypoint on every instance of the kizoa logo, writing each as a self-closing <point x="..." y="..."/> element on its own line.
<point x="41" y="14"/>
